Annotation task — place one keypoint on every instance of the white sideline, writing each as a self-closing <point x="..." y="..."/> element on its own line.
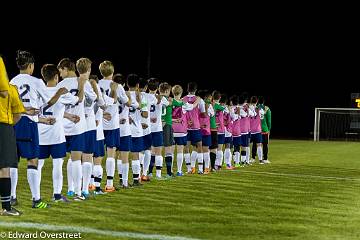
<point x="85" y="230"/>
<point x="298" y="175"/>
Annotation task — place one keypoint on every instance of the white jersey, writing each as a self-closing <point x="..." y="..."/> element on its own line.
<point x="54" y="134"/>
<point x="108" y="101"/>
<point x="32" y="92"/>
<point x="90" y="111"/>
<point x="148" y="100"/>
<point x="136" y="118"/>
<point x="71" y="84"/>
<point x="156" y="113"/>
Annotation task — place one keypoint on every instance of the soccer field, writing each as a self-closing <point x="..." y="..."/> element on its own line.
<point x="309" y="191"/>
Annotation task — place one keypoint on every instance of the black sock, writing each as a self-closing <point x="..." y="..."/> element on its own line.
<point x="5" y="192"/>
<point x="212" y="159"/>
<point x="57" y="196"/>
<point x="168" y="161"/>
<point x="152" y="163"/>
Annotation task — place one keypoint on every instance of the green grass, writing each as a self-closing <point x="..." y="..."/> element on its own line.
<point x="310" y="191"/>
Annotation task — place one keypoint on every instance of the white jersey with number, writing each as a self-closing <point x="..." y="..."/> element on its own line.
<point x="71" y="84"/>
<point x="156" y="112"/>
<point x="135" y="118"/>
<point x="54" y="134"/>
<point x="32" y="92"/>
<point x="148" y="100"/>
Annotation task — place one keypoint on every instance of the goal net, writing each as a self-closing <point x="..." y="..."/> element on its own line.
<point x="339" y="124"/>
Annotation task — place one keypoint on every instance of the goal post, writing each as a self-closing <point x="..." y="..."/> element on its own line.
<point x="341" y="124"/>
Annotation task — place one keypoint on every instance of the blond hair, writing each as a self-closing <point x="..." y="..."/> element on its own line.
<point x="83" y="65"/>
<point x="106" y="68"/>
<point x="177" y="90"/>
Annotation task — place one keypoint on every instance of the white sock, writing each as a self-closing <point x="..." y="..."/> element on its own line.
<point x="207" y="159"/>
<point x="141" y="157"/>
<point x="193" y="158"/>
<point x="187" y="161"/>
<point x="14" y="180"/>
<point x="33" y="180"/>
<point x="237" y="158"/>
<point x="147" y="157"/>
<point x="158" y="165"/>
<point x="98" y="172"/>
<point x="40" y="166"/>
<point x="260" y="153"/>
<point x="110" y="171"/>
<point x="118" y="164"/>
<point x="219" y="158"/>
<point x="179" y="161"/>
<point x="77" y="175"/>
<point x="57" y="175"/>
<point x="243" y="157"/>
<point x="86" y="171"/>
<point x="92" y="179"/>
<point x="69" y="175"/>
<point x="247" y="149"/>
<point x="135" y="165"/>
<point x="227" y="156"/>
<point x="125" y="173"/>
<point x="200" y="158"/>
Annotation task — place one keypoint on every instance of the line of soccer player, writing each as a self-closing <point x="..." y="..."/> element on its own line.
<point x="91" y="118"/>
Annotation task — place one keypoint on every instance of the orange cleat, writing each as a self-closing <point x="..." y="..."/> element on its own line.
<point x="207" y="171"/>
<point x="230" y="168"/>
<point x="145" y="178"/>
<point x="193" y="170"/>
<point x="92" y="187"/>
<point x="109" y="189"/>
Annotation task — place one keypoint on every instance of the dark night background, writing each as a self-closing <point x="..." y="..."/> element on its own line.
<point x="297" y="66"/>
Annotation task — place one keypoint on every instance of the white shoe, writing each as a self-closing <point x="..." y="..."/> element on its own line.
<point x="252" y="160"/>
<point x="261" y="162"/>
<point x="266" y="161"/>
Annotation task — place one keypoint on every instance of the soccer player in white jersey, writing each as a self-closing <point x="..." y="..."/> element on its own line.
<point x="75" y="132"/>
<point x="156" y="128"/>
<point x="111" y="127"/>
<point x="136" y="116"/>
<point x="33" y="94"/>
<point x="52" y="137"/>
<point x="148" y="100"/>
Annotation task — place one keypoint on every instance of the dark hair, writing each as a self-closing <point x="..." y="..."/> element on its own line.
<point x="164" y="87"/>
<point x="95" y="77"/>
<point x="192" y="87"/>
<point x="132" y="80"/>
<point x="24" y="59"/>
<point x="119" y="79"/>
<point x="216" y="95"/>
<point x="49" y="71"/>
<point x="244" y="97"/>
<point x="143" y="83"/>
<point x="204" y="93"/>
<point x="153" y="84"/>
<point x="234" y="99"/>
<point x="261" y="100"/>
<point x="253" y="99"/>
<point x="224" y="98"/>
<point x="66" y="63"/>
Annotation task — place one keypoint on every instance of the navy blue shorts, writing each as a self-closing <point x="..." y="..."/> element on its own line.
<point x="99" y="149"/>
<point x="55" y="151"/>
<point x="206" y="140"/>
<point x="244" y="140"/>
<point x="256" y="138"/>
<point x="112" y="138"/>
<point x="180" y="140"/>
<point x="194" y="136"/>
<point x="157" y="139"/>
<point x="147" y="141"/>
<point x="228" y="140"/>
<point x="221" y="138"/>
<point x="137" y="144"/>
<point x="27" y="138"/>
<point x="90" y="141"/>
<point x="125" y="144"/>
<point x="75" y="143"/>
<point x="237" y="141"/>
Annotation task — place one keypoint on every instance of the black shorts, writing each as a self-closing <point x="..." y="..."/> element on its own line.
<point x="8" y="152"/>
<point x="214" y="140"/>
<point x="168" y="134"/>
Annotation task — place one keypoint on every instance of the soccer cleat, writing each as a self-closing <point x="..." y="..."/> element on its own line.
<point x="14" y="201"/>
<point x="193" y="170"/>
<point x="237" y="165"/>
<point x="266" y="161"/>
<point x="109" y="189"/>
<point x="92" y="187"/>
<point x="179" y="174"/>
<point x="228" y="167"/>
<point x="252" y="160"/>
<point x="70" y="194"/>
<point x="207" y="171"/>
<point x="79" y="198"/>
<point x="100" y="192"/>
<point x="11" y="212"/>
<point x="62" y="199"/>
<point x="200" y="172"/>
<point x="40" y="204"/>
<point x="145" y="178"/>
<point x="261" y="162"/>
<point x="86" y="195"/>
